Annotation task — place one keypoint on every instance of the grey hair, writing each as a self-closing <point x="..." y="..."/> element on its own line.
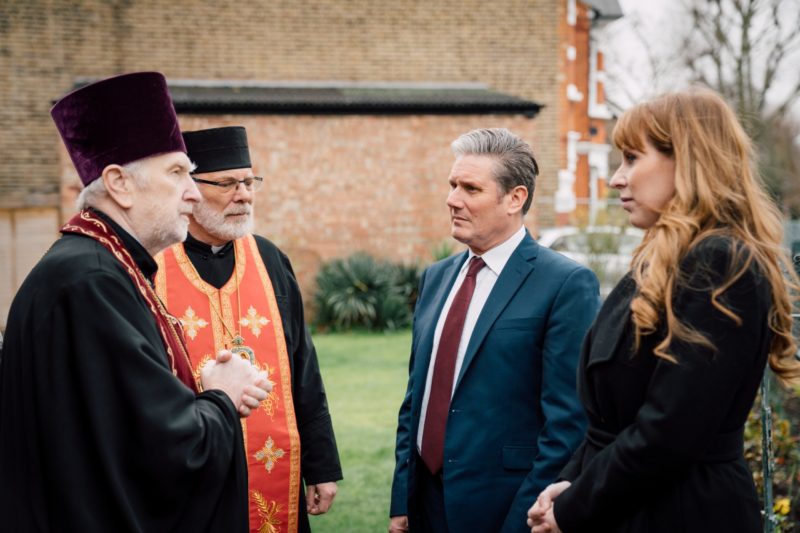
<point x="516" y="164"/>
<point x="96" y="190"/>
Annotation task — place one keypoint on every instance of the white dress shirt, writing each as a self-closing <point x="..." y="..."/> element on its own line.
<point x="495" y="260"/>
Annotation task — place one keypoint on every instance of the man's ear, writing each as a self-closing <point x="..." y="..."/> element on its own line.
<point x="119" y="185"/>
<point x="517" y="197"/>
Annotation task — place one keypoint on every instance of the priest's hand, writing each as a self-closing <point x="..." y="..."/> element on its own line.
<point x="319" y="497"/>
<point x="398" y="524"/>
<point x="253" y="394"/>
<point x="241" y="381"/>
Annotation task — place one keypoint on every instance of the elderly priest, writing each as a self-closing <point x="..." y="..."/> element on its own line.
<point x="236" y="289"/>
<point x="102" y="427"/>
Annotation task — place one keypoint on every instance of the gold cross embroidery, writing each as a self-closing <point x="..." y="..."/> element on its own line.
<point x="254" y="321"/>
<point x="269" y="455"/>
<point x="192" y="323"/>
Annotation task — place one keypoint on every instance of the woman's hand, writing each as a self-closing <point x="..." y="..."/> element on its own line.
<point x="540" y="516"/>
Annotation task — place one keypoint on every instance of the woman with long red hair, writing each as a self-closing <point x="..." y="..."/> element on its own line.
<point x="672" y="365"/>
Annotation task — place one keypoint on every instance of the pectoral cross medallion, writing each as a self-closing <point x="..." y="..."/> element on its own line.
<point x="245" y="352"/>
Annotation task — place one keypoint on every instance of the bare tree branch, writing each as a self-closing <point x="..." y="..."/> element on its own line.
<point x="745" y="49"/>
<point x="794" y="96"/>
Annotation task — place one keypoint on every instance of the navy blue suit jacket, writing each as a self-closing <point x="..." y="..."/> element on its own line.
<point x="515" y="418"/>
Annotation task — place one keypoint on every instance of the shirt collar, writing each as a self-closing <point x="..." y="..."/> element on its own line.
<point x="193" y="244"/>
<point x="497" y="257"/>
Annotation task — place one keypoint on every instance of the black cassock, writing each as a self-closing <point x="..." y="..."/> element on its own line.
<point x="319" y="460"/>
<point x="96" y="434"/>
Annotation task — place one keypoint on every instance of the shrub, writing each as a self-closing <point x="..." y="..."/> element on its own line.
<point x="361" y="291"/>
<point x="408" y="283"/>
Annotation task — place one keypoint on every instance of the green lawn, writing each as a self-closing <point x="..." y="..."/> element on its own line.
<point x="365" y="377"/>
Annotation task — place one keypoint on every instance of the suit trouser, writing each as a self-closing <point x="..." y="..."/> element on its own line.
<point x="430" y="516"/>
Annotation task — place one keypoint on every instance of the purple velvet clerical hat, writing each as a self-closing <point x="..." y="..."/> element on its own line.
<point x="117" y="121"/>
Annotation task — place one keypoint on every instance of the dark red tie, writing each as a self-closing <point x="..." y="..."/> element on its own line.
<point x="444" y="370"/>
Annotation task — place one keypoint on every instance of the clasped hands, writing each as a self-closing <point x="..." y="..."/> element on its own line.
<point x="540" y="517"/>
<point x="244" y="384"/>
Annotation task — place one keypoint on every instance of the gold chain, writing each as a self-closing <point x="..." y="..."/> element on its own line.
<point x="238" y="341"/>
<point x="238" y="303"/>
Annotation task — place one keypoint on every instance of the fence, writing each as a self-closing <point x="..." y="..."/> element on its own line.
<point x="792" y="234"/>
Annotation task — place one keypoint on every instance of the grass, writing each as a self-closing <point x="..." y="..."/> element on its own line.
<point x="365" y="378"/>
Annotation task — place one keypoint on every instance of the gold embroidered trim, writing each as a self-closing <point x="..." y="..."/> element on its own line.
<point x="283" y="360"/>
<point x="196" y="372"/>
<point x="270" y="403"/>
<point x="161" y="277"/>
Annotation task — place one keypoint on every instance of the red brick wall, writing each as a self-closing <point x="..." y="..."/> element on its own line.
<point x="45" y="45"/>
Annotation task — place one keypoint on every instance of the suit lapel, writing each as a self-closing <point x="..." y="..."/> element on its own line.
<point x="517" y="269"/>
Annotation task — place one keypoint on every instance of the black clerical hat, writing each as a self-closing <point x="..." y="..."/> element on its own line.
<point x="218" y="149"/>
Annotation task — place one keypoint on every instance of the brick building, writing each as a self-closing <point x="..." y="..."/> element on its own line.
<point x="340" y="179"/>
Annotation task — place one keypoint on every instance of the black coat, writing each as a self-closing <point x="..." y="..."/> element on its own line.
<point x="663" y="452"/>
<point x="96" y="433"/>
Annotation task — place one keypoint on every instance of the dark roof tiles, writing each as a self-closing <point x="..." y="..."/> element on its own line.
<point x="347" y="99"/>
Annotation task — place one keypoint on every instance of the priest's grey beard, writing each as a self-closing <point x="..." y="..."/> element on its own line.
<point x="216" y="223"/>
<point x="162" y="236"/>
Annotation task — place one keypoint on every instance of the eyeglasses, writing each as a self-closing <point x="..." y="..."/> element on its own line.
<point x="229" y="185"/>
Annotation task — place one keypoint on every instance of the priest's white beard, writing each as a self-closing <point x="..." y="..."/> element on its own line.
<point x="216" y="222"/>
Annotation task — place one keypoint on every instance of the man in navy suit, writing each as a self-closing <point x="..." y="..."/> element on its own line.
<point x="491" y="414"/>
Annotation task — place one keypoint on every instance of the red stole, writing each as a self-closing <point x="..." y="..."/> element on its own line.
<point x="88" y="224"/>
<point x="211" y="317"/>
